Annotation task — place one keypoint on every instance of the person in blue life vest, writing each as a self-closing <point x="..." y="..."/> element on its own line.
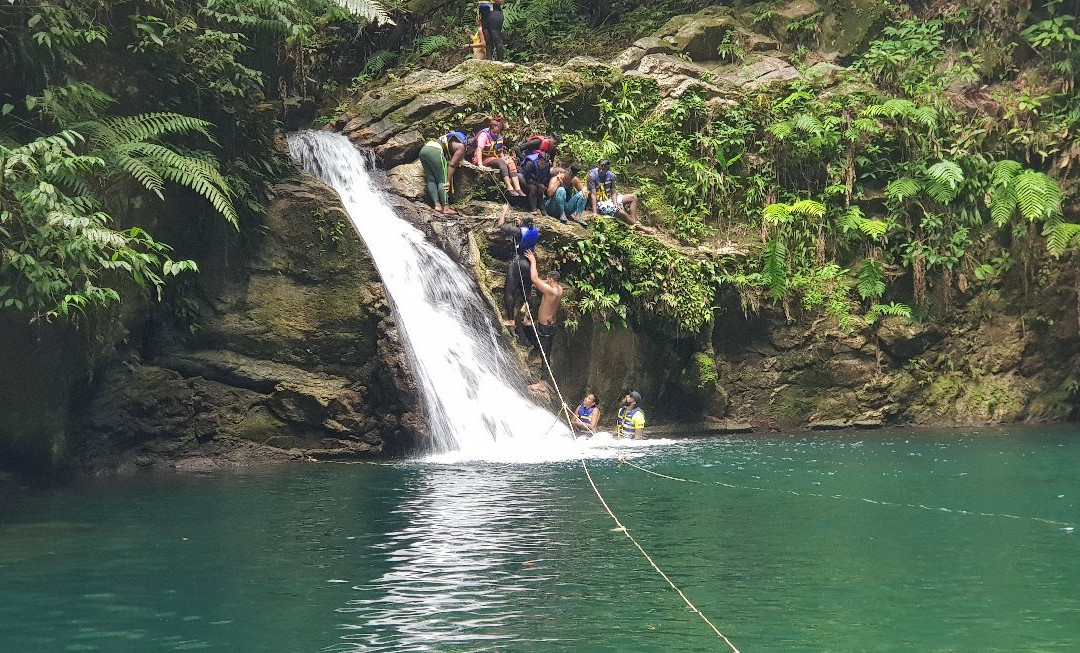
<point x="519" y="274"/>
<point x="560" y="203"/>
<point x="605" y="201"/>
<point x="440" y="159"/>
<point x="587" y="415"/>
<point x="630" y="423"/>
<point x="536" y="168"/>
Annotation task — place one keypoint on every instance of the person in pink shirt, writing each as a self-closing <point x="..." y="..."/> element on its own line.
<point x="490" y="148"/>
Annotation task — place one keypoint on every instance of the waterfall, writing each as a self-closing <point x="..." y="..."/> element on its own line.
<point x="473" y="392"/>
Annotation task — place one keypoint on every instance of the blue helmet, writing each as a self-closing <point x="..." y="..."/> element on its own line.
<point x="460" y="136"/>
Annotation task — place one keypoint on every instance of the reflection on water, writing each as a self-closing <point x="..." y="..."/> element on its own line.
<point x="769" y="536"/>
<point x="461" y="566"/>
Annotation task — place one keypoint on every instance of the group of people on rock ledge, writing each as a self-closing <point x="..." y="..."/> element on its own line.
<point x="528" y="175"/>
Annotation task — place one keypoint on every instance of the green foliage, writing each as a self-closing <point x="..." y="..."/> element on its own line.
<point x="616" y="271"/>
<point x="76" y="164"/>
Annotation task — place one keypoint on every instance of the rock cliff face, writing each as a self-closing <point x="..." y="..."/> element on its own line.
<point x="979" y="365"/>
<point x="296" y="354"/>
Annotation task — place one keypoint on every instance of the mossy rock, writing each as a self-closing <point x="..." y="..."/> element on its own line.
<point x="698" y="35"/>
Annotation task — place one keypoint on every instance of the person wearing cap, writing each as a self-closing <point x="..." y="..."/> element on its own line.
<point x="605" y="201"/>
<point x="630" y="423"/>
<point x="440" y="159"/>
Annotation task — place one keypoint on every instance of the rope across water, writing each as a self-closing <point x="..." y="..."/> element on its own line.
<point x="588" y="475"/>
<point x="918" y="506"/>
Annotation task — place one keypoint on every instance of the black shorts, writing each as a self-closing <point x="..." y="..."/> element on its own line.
<point x="546" y="333"/>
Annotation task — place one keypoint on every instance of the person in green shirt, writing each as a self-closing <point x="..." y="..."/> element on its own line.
<point x="630" y="423"/>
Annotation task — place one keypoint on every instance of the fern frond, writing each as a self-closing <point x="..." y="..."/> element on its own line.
<point x="871" y="279"/>
<point x="851" y="219"/>
<point x="903" y="188"/>
<point x="774" y="269"/>
<point x="1002" y="205"/>
<point x="371" y="10"/>
<point x="806" y="123"/>
<point x="1003" y="172"/>
<point x="430" y="45"/>
<point x="781" y="130"/>
<point x="199" y="175"/>
<point x="143" y="127"/>
<point x="876" y="229"/>
<point x="1060" y="235"/>
<point x="776" y="214"/>
<point x="808" y="209"/>
<point x="1033" y="197"/>
<point x="946" y="173"/>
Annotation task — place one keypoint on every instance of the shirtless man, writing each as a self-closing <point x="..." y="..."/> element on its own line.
<point x="551" y="293"/>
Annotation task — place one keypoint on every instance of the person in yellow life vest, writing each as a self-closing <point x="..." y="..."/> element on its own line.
<point x="630" y="423"/>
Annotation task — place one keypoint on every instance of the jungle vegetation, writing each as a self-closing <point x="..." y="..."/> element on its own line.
<point x="934" y="164"/>
<point x="112" y="107"/>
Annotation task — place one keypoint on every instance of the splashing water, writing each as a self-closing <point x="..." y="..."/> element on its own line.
<point x="471" y="389"/>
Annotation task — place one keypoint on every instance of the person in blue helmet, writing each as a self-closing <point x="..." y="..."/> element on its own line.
<point x="519" y="274"/>
<point x="440" y="159"/>
<point x="630" y="423"/>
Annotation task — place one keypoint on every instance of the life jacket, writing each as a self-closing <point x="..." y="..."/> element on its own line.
<point x="444" y="141"/>
<point x="535" y="172"/>
<point x="546" y="144"/>
<point x="604" y="187"/>
<point x="624" y="425"/>
<point x="495" y="143"/>
<point x="584" y="414"/>
<point x="529" y="238"/>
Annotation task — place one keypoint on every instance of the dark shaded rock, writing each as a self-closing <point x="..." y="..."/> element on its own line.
<point x="905" y="340"/>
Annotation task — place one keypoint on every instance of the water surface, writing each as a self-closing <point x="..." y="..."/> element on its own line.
<point x="876" y="541"/>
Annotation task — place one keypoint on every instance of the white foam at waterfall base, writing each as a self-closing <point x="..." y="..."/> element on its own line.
<point x="473" y="393"/>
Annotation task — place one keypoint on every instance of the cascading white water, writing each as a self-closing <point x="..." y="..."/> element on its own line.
<point x="472" y="393"/>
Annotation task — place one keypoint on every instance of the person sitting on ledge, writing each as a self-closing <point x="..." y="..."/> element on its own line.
<point x="559" y="204"/>
<point x="490" y="147"/>
<point x="605" y="201"/>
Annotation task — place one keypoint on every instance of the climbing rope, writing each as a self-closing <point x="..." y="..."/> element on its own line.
<point x="652" y="562"/>
<point x="818" y="495"/>
<point x="603" y="502"/>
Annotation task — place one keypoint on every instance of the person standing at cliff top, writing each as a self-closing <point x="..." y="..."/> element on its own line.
<point x="491" y="22"/>
<point x="440" y="160"/>
<point x="548" y="144"/>
<point x="476" y="43"/>
<point x="605" y="201"/>
<point x="630" y="423"/>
